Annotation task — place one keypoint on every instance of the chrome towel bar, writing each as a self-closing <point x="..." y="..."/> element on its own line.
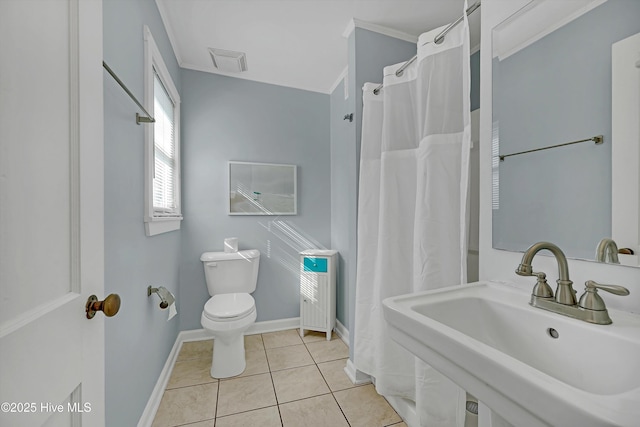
<point x="139" y="118"/>
<point x="597" y="139"/>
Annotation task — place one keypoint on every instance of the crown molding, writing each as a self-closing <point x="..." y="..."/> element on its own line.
<point x="534" y="21"/>
<point x="357" y="23"/>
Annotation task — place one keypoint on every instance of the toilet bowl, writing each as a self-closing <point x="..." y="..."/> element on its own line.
<point x="227" y="317"/>
<point x="231" y="310"/>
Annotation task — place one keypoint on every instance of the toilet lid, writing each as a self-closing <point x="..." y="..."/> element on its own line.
<point x="224" y="306"/>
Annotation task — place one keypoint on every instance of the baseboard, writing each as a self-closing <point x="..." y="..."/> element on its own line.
<point x="354" y="375"/>
<point x="342" y="332"/>
<point x="194" y="335"/>
<point x="273" y="326"/>
<point x="153" y="403"/>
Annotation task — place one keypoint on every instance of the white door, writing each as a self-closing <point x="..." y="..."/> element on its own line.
<point x="51" y="213"/>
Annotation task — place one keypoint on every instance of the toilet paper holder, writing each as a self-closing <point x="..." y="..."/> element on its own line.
<point x="166" y="297"/>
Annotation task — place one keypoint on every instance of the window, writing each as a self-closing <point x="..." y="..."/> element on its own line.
<point x="162" y="145"/>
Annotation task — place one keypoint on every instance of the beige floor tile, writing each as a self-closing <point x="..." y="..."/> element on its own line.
<point x="281" y="338"/>
<point x="333" y="373"/>
<point x="187" y="405"/>
<point x="312" y="336"/>
<point x="298" y="383"/>
<point x="266" y="417"/>
<point x="366" y="408"/>
<point x="325" y="351"/>
<point x="288" y="357"/>
<point x="245" y="394"/>
<point x="196" y="350"/>
<point x="190" y="372"/>
<point x="319" y="411"/>
<point x="253" y="342"/>
<point x="303" y="389"/>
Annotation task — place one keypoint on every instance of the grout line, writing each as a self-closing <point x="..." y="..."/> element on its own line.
<point x="195" y="422"/>
<point x="292" y="367"/>
<point x="213" y="380"/>
<point x="241" y="412"/>
<point x="325" y="380"/>
<point x="341" y="410"/>
<point x="215" y="416"/>
<point x="331" y="391"/>
<point x="268" y="363"/>
<point x="283" y="346"/>
<point x="272" y="383"/>
<point x="280" y="415"/>
<point x="305" y="398"/>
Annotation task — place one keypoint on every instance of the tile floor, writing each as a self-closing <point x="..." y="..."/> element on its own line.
<point x="288" y="382"/>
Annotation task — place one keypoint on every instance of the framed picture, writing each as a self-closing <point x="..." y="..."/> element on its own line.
<point x="262" y="189"/>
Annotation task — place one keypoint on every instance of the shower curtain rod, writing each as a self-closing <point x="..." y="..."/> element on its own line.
<point x="139" y="118"/>
<point x="437" y="40"/>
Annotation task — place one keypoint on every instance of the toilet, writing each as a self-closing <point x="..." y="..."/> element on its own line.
<point x="231" y="310"/>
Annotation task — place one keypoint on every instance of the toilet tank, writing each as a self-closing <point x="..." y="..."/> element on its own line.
<point x="230" y="272"/>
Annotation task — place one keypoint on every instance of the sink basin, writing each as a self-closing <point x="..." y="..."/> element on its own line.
<point x="531" y="366"/>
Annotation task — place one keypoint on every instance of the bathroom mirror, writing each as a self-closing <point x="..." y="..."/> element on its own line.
<point x="552" y="85"/>
<point x="262" y="189"/>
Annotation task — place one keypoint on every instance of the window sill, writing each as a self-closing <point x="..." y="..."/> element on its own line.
<point x="159" y="225"/>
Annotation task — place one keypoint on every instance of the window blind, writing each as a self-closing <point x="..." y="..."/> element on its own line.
<point x="165" y="167"/>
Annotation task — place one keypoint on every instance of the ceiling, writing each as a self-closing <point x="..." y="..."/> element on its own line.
<point x="296" y="43"/>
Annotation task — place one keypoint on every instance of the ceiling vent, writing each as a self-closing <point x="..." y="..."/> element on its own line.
<point x="228" y="60"/>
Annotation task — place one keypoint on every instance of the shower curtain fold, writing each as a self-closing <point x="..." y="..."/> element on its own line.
<point x="412" y="212"/>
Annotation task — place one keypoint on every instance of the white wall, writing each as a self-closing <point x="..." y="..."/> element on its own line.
<point x="498" y="264"/>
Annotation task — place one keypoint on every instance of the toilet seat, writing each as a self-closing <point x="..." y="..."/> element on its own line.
<point x="228" y="307"/>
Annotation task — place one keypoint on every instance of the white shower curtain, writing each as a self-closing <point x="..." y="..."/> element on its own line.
<point x="412" y="212"/>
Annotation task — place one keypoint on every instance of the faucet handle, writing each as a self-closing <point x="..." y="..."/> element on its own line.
<point x="542" y="288"/>
<point x="614" y="289"/>
<point x="590" y="300"/>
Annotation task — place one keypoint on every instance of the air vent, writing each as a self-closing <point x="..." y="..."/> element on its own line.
<point x="228" y="60"/>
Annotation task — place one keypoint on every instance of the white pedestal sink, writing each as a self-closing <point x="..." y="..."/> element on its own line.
<point x="530" y="366"/>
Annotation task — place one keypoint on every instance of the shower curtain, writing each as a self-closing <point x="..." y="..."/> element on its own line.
<point x="412" y="212"/>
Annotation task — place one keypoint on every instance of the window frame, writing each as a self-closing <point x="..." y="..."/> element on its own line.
<point x="156" y="223"/>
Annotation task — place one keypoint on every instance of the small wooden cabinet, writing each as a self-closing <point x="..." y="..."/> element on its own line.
<point x="318" y="290"/>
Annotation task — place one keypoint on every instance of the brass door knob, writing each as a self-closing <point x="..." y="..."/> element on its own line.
<point x="109" y="306"/>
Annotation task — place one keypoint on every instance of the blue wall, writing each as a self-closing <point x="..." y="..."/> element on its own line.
<point x="139" y="338"/>
<point x="225" y="119"/>
<point x="369" y="53"/>
<point x="343" y="194"/>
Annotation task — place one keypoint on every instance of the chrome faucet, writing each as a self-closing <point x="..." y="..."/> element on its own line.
<point x="591" y="308"/>
<point x="565" y="294"/>
<point x="607" y="247"/>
